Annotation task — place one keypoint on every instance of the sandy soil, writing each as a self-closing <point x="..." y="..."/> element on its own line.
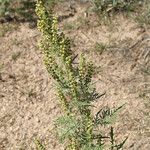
<point x="29" y="104"/>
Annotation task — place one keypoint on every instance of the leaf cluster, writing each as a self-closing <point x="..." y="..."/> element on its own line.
<point x="4" y="4"/>
<point x="106" y="6"/>
<point x="73" y="78"/>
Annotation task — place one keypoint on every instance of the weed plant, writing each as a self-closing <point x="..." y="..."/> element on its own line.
<point x="22" y="9"/>
<point x="107" y="6"/>
<point x="78" y="128"/>
<point x="100" y="47"/>
<point x="4" y="7"/>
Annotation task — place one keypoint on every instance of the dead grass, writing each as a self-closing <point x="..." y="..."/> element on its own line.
<point x="4" y="28"/>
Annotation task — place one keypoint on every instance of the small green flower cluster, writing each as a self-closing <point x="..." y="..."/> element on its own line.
<point x="58" y="54"/>
<point x="73" y="82"/>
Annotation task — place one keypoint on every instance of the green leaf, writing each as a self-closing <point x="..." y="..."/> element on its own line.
<point x="66" y="127"/>
<point x="106" y="115"/>
<point x="120" y="146"/>
<point x="92" y="147"/>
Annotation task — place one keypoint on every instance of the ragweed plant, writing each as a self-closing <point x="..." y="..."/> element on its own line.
<point x="77" y="128"/>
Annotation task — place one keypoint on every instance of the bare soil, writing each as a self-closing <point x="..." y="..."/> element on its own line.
<point x="29" y="103"/>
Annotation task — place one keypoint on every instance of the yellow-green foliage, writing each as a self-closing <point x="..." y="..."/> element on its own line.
<point x="73" y="80"/>
<point x="39" y="145"/>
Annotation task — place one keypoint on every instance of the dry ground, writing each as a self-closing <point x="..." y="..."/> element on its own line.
<point x="28" y="104"/>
